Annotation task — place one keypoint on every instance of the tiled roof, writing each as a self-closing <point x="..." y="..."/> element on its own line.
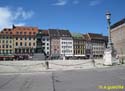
<point x="44" y="32"/>
<point x="64" y="33"/>
<point x="59" y="33"/>
<point x="24" y="30"/>
<point x="54" y="33"/>
<point x="95" y="36"/>
<point x="6" y="31"/>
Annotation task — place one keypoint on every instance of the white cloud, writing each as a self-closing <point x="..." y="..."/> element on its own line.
<point x="9" y="16"/>
<point x="95" y="2"/>
<point x="65" y="2"/>
<point x="60" y="3"/>
<point x="21" y="13"/>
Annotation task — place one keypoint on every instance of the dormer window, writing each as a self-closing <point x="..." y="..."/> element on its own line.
<point x="29" y="33"/>
<point x="34" y="33"/>
<point x="25" y="33"/>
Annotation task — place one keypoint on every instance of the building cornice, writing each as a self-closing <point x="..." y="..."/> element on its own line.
<point x="118" y="27"/>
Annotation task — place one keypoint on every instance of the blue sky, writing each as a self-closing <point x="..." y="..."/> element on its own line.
<point x="81" y="16"/>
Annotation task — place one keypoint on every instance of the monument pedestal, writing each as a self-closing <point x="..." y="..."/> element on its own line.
<point x="110" y="57"/>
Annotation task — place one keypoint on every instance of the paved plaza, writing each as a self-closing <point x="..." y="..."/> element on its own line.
<point x="70" y="80"/>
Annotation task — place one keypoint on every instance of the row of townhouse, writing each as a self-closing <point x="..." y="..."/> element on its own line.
<point x="56" y="43"/>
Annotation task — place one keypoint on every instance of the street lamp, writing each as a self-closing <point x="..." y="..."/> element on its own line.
<point x="109" y="53"/>
<point x="108" y="17"/>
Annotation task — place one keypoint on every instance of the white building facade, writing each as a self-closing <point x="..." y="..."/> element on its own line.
<point x="46" y="44"/>
<point x="66" y="46"/>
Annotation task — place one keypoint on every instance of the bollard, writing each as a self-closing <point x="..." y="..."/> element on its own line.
<point x="47" y="64"/>
<point x="93" y="61"/>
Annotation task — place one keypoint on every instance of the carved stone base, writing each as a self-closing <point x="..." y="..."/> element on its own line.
<point x="110" y="57"/>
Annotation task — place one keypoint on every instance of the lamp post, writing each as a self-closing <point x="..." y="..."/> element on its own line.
<point x="108" y="17"/>
<point x="109" y="53"/>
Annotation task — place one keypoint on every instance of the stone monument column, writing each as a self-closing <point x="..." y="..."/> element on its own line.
<point x="110" y="52"/>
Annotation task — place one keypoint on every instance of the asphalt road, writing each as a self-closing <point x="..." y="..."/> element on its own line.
<point x="77" y="80"/>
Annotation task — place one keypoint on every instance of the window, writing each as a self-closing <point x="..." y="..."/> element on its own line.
<point x="43" y="39"/>
<point x="25" y="38"/>
<point x="3" y="46"/>
<point x="3" y="51"/>
<point x="29" y="33"/>
<point x="47" y="47"/>
<point x="29" y="38"/>
<point x="29" y="44"/>
<point x="20" y="33"/>
<point x="10" y="51"/>
<point x="10" y="46"/>
<point x="47" y="43"/>
<point x="16" y="38"/>
<point x="47" y="39"/>
<point x="20" y="43"/>
<point x="16" y="43"/>
<point x="34" y="33"/>
<point x="6" y="41"/>
<point x="17" y="32"/>
<point x="33" y="44"/>
<point x="24" y="33"/>
<point x="20" y="38"/>
<point x="6" y="51"/>
<point x="34" y="38"/>
<point x="3" y="41"/>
